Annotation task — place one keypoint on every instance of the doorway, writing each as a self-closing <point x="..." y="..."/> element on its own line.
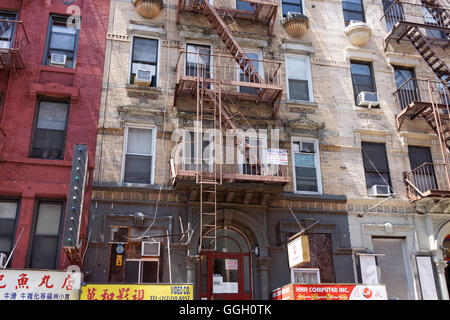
<point x="226" y="274"/>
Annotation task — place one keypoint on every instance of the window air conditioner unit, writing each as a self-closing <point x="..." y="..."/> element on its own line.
<point x="118" y="234"/>
<point x="58" y="59"/>
<point x="150" y="249"/>
<point x="380" y="190"/>
<point x="367" y="99"/>
<point x="143" y="77"/>
<point x="3" y="258"/>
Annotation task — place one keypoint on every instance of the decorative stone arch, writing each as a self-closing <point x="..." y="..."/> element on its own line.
<point x="254" y="230"/>
<point x="441" y="232"/>
<point x="251" y="228"/>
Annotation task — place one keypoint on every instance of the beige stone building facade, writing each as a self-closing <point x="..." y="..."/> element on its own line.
<point x="335" y="149"/>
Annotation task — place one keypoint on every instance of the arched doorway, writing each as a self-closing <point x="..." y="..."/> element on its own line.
<point x="226" y="273"/>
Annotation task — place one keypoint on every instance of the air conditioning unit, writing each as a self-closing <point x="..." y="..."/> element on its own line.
<point x="380" y="190"/>
<point x="367" y="99"/>
<point x="143" y="77"/>
<point x="150" y="249"/>
<point x="118" y="234"/>
<point x="3" y="259"/>
<point x="58" y="59"/>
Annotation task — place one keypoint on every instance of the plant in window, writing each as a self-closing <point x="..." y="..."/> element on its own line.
<point x="148" y="8"/>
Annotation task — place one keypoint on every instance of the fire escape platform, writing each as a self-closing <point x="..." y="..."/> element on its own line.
<point x="402" y="28"/>
<point x="265" y="11"/>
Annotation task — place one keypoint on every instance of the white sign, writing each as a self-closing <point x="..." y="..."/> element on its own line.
<point x="25" y="284"/>
<point x="369" y="273"/>
<point x="226" y="287"/>
<point x="231" y="264"/>
<point x="298" y="252"/>
<point x="277" y="156"/>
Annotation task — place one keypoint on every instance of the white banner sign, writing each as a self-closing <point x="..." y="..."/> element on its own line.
<point x="231" y="264"/>
<point x="277" y="156"/>
<point x="426" y="276"/>
<point x="39" y="285"/>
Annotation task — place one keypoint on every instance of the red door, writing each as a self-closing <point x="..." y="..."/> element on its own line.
<point x="227" y="276"/>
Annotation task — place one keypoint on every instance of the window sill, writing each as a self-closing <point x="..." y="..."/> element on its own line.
<point x="376" y="110"/>
<point x="301" y="103"/>
<point x="58" y="69"/>
<point x="135" y="91"/>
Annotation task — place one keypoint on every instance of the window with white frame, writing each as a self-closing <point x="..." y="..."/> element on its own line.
<point x="299" y="83"/>
<point x="306" y="166"/>
<point x="190" y="158"/>
<point x="144" y="58"/>
<point x="8" y="216"/>
<point x="305" y="275"/>
<point x="139" y="155"/>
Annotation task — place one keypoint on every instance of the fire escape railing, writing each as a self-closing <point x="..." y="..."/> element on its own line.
<point x="428" y="179"/>
<point x="12" y="49"/>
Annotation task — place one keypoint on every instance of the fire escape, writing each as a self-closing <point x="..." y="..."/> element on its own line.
<point x="426" y="26"/>
<point x="218" y="82"/>
<point x="13" y="39"/>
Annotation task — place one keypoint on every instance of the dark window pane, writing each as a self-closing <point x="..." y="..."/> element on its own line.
<point x="375" y="159"/>
<point x="419" y="155"/>
<point x="306" y="185"/>
<point x="62" y="41"/>
<point x="145" y="50"/>
<point x="291" y="8"/>
<point x="6" y="228"/>
<point x="302" y="172"/>
<point x="149" y="271"/>
<point x="138" y="169"/>
<point x="352" y="15"/>
<point x="298" y="90"/>
<point x="44" y="252"/>
<point x="242" y="5"/>
<point x="132" y="271"/>
<point x="361" y="78"/>
<point x="6" y="30"/>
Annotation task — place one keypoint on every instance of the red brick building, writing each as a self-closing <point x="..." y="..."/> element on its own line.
<point x="50" y="87"/>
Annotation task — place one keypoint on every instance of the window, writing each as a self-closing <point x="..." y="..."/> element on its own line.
<point x="407" y="90"/>
<point x="7" y="29"/>
<point x="375" y="162"/>
<point x="305" y="275"/>
<point x="254" y="60"/>
<point x="8" y="214"/>
<point x="142" y="270"/>
<point x="49" y="133"/>
<point x="306" y="166"/>
<point x="430" y="20"/>
<point x="189" y="157"/>
<point x="424" y="176"/>
<point x="243" y="5"/>
<point x="62" y="40"/>
<point x="353" y="10"/>
<point x="139" y="156"/>
<point x="48" y="227"/>
<point x="145" y="58"/>
<point x="256" y="151"/>
<point x="298" y="73"/>
<point x="202" y="55"/>
<point x="362" y="78"/>
<point x="294" y="6"/>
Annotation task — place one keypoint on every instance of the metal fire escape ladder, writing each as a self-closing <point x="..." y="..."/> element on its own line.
<point x="424" y="47"/>
<point x="224" y="33"/>
<point x="438" y="12"/>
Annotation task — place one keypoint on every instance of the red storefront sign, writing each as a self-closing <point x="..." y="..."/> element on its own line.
<point x="330" y="292"/>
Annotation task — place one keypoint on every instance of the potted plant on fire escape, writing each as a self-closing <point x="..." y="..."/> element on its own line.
<point x="296" y="24"/>
<point x="148" y="8"/>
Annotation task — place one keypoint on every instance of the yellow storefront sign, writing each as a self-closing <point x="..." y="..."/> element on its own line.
<point x="137" y="292"/>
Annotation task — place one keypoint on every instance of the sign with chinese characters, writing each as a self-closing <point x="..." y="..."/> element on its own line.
<point x="137" y="292"/>
<point x="39" y="285"/>
<point x="298" y="252"/>
<point x="330" y="292"/>
<point x="277" y="156"/>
